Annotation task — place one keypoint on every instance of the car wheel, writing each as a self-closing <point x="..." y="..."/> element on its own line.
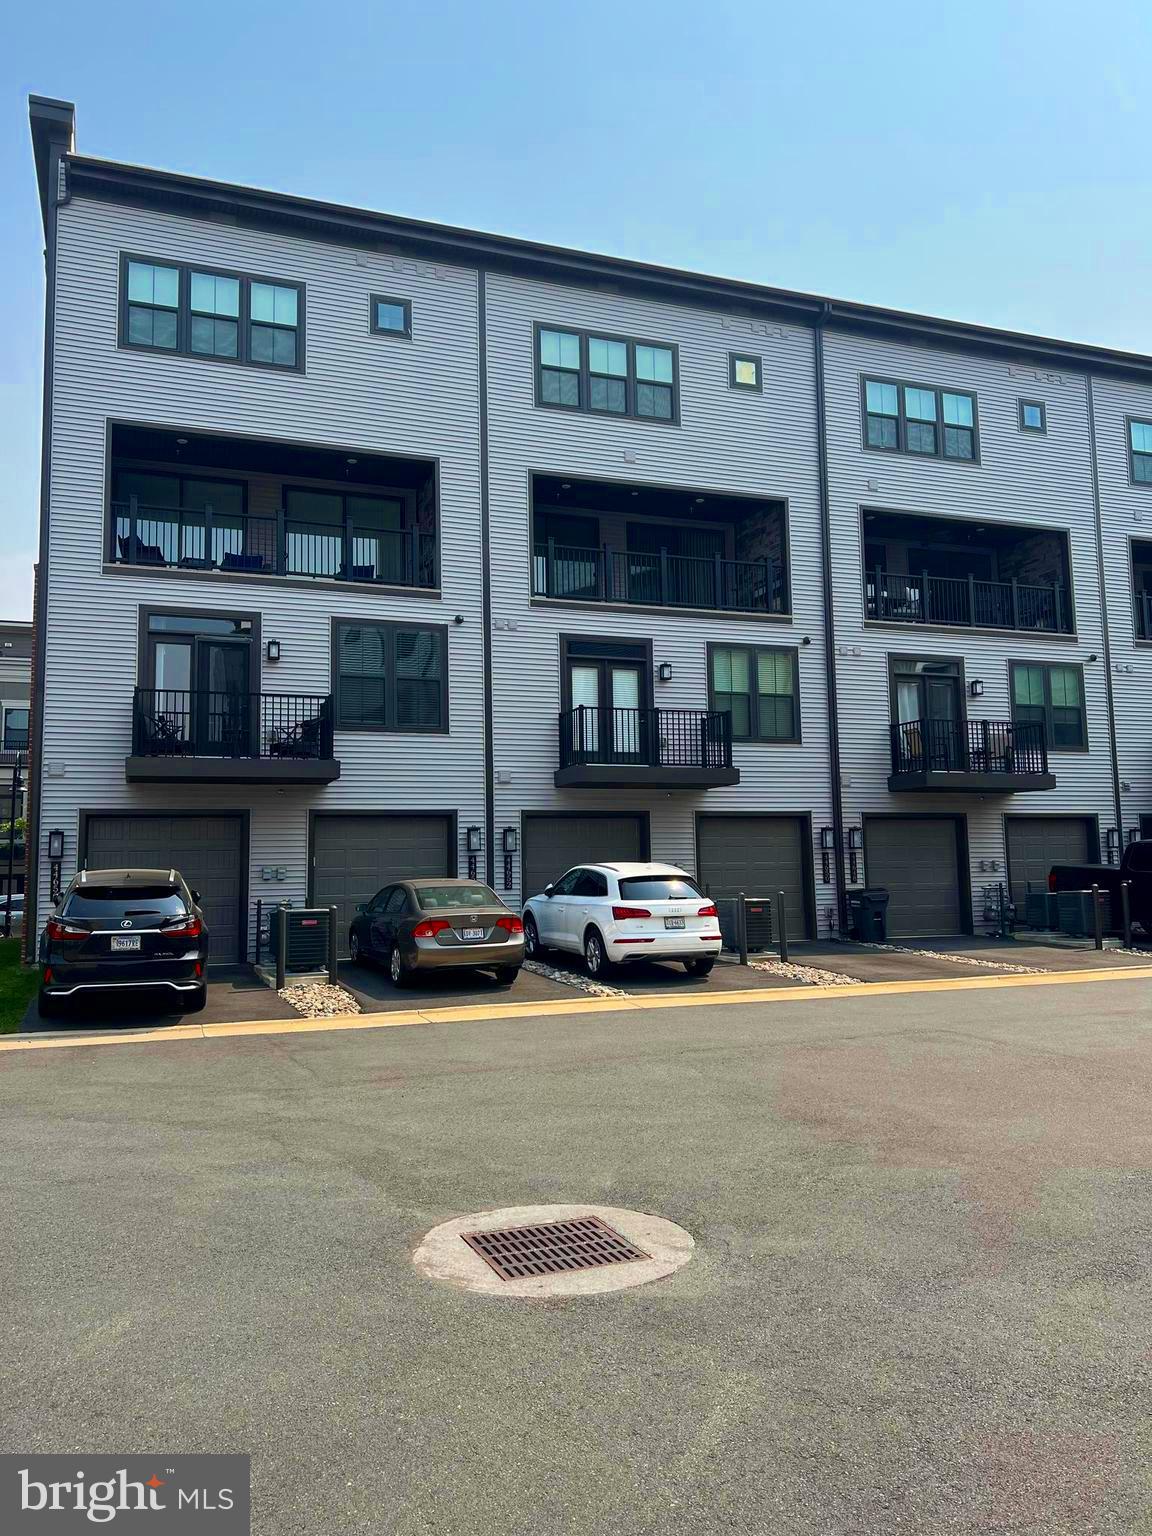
<point x="506" y="974"/>
<point x="596" y="962"/>
<point x="399" y="973"/>
<point x="354" y="947"/>
<point x="699" y="967"/>
<point x="195" y="1002"/>
<point x="51" y="1007"/>
<point x="533" y="949"/>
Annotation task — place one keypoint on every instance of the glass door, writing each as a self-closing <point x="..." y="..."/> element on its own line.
<point x="223" y="701"/>
<point x="609" y="723"/>
<point x="929" y="714"/>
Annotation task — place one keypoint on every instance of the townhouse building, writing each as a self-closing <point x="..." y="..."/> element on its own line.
<point x="373" y="547"/>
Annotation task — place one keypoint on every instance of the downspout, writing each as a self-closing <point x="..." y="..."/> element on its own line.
<point x="829" y="619"/>
<point x="1107" y="642"/>
<point x="486" y="588"/>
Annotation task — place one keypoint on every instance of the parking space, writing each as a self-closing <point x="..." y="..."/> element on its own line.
<point x="232" y="994"/>
<point x="370" y="986"/>
<point x="651" y="978"/>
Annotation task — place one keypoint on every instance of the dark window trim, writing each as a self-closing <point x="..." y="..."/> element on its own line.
<point x="632" y="642"/>
<point x="939" y="457"/>
<point x="1047" y="667"/>
<point x="1042" y="429"/>
<point x="383" y="330"/>
<point x="1141" y="421"/>
<point x="144" y="655"/>
<point x="895" y="657"/>
<point x="392" y="625"/>
<point x="584" y="409"/>
<point x="746" y="357"/>
<point x="1133" y="595"/>
<point x="184" y="313"/>
<point x="755" y="739"/>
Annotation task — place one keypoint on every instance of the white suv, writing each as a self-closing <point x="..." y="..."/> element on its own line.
<point x="611" y="913"/>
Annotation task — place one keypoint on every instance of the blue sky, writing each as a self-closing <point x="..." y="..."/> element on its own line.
<point x="978" y="160"/>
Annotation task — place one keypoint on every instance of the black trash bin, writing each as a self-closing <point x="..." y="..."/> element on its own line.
<point x="868" y="914"/>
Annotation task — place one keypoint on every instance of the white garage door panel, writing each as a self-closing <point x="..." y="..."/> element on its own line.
<point x="1035" y="843"/>
<point x="553" y="844"/>
<point x="207" y="850"/>
<point x="916" y="860"/>
<point x="758" y="855"/>
<point x="353" y="856"/>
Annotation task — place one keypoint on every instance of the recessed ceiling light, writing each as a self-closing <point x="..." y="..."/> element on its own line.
<point x="565" y="485"/>
<point x="699" y="499"/>
<point x="351" y="461"/>
<point x="181" y="441"/>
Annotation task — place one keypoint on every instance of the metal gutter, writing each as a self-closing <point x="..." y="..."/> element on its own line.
<point x="1107" y="642"/>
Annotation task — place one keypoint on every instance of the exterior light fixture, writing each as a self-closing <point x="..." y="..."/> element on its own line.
<point x="272" y="650"/>
<point x="56" y="843"/>
<point x="1113" y="839"/>
<point x="855" y="838"/>
<point x="827" y="838"/>
<point x="976" y="687"/>
<point x="664" y="672"/>
<point x="475" y="839"/>
<point x="511" y="839"/>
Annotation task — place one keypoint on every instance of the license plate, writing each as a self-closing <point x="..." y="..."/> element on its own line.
<point x="126" y="941"/>
<point x="673" y="922"/>
<point x="471" y="933"/>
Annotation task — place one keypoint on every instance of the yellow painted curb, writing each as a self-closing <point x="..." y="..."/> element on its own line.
<point x="494" y="1012"/>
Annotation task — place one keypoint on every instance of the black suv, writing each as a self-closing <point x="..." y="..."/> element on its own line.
<point x="124" y="929"/>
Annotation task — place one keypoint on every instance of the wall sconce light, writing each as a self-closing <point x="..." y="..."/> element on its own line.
<point x="976" y="687"/>
<point x="1133" y="834"/>
<point x="855" y="838"/>
<point x="664" y="672"/>
<point x="827" y="838"/>
<point x="1113" y="839"/>
<point x="272" y="650"/>
<point x="827" y="843"/>
<point x="56" y="844"/>
<point x="475" y="839"/>
<point x="511" y="839"/>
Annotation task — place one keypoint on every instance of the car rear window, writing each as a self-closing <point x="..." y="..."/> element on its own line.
<point x="435" y="897"/>
<point x="659" y="888"/>
<point x="99" y="901"/>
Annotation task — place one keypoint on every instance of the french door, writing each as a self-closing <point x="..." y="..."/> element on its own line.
<point x="609" y="721"/>
<point x="929" y="709"/>
<point x="202" y="692"/>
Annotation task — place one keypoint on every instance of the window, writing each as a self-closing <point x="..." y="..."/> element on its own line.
<point x="390" y="677"/>
<point x="16" y="728"/>
<point x="1052" y="696"/>
<point x="389" y="317"/>
<point x="221" y="315"/>
<point x="1140" y="451"/>
<point x="1033" y="416"/>
<point x="607" y="375"/>
<point x="910" y="418"/>
<point x="567" y="883"/>
<point x="744" y="372"/>
<point x="433" y="897"/>
<point x="658" y="888"/>
<point x="756" y="685"/>
<point x="590" y="883"/>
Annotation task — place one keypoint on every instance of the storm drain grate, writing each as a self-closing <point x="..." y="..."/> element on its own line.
<point x="553" y="1248"/>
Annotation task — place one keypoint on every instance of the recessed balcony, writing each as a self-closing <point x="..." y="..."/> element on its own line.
<point x="199" y="736"/>
<point x="978" y="756"/>
<point x="603" y="748"/>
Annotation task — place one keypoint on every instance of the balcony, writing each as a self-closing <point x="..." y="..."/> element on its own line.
<point x="231" y="738"/>
<point x="963" y="573"/>
<point x="280" y="545"/>
<point x="651" y="547"/>
<point x="981" y="756"/>
<point x="638" y="748"/>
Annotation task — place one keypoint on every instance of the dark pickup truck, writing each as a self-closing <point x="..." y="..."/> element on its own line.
<point x="1135" y="866"/>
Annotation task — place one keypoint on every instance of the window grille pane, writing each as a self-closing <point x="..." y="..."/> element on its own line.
<point x="559" y="388"/>
<point x="608" y="357"/>
<point x="919" y="404"/>
<point x="148" y="284"/>
<point x="215" y="295"/>
<point x="881" y="398"/>
<point x="390" y="317"/>
<point x="654" y="364"/>
<point x="273" y="304"/>
<point x="559" y="349"/>
<point x="607" y="395"/>
<point x="1141" y="433"/>
<point x="882" y="432"/>
<point x="654" y="400"/>
<point x="958" y="410"/>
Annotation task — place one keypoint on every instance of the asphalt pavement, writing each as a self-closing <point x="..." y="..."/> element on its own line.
<point x="918" y="1302"/>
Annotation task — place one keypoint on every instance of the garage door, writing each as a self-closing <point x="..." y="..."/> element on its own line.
<point x="553" y="844"/>
<point x="759" y="855"/>
<point x="1035" y="843"/>
<point x="918" y="862"/>
<point x="353" y="856"/>
<point x="207" y="850"/>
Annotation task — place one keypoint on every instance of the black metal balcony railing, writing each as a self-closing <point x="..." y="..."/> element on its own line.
<point x="277" y="545"/>
<point x="653" y="738"/>
<point x="170" y="722"/>
<point x="666" y="581"/>
<point x="968" y="746"/>
<point x="922" y="599"/>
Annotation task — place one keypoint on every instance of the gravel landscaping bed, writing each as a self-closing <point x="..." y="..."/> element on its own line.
<point x="319" y="999"/>
<point x="984" y="965"/>
<point x="813" y="975"/>
<point x="572" y="979"/>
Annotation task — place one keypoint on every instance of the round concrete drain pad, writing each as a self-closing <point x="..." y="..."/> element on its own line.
<point x="629" y="1248"/>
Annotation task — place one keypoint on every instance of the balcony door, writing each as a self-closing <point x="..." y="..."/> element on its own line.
<point x="201" y="699"/>
<point x="929" y="712"/>
<point x="607" y="695"/>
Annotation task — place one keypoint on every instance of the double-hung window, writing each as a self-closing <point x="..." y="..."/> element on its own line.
<point x="606" y="375"/>
<point x="917" y="419"/>
<point x="193" y="310"/>
<point x="1140" y="451"/>
<point x="16" y="728"/>
<point x="390" y="677"/>
<point x="756" y="685"/>
<point x="1051" y="695"/>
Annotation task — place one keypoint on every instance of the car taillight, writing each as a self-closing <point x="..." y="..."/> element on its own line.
<point x="510" y="924"/>
<point x="65" y="931"/>
<point x="430" y="927"/>
<point x="622" y="912"/>
<point x="192" y="929"/>
<point x="708" y="911"/>
<point x="1051" y="880"/>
